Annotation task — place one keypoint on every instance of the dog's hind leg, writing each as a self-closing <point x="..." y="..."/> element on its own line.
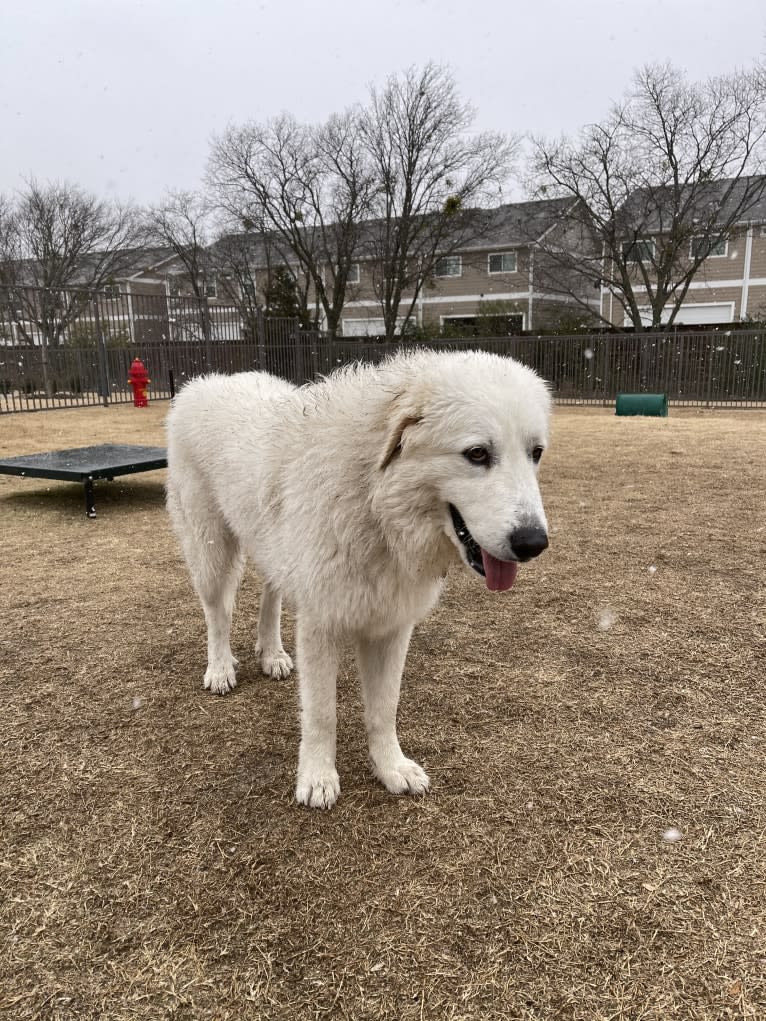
<point x="217" y="585"/>
<point x="273" y="659"/>
<point x="380" y="662"/>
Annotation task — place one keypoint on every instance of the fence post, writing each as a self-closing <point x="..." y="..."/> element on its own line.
<point x="260" y="340"/>
<point x="103" y="368"/>
<point x="606" y="354"/>
<point x="204" y="308"/>
<point x="300" y="372"/>
<point x="709" y="395"/>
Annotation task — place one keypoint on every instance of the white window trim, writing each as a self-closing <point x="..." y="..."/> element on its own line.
<point x="712" y="255"/>
<point x="355" y="279"/>
<point x="501" y="272"/>
<point x="448" y="276"/>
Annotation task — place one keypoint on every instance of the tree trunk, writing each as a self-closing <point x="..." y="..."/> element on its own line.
<point x="44" y="361"/>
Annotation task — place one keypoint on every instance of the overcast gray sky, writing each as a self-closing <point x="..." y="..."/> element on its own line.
<point x="122" y="96"/>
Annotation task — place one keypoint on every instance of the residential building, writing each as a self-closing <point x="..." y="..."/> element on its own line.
<point x="495" y="282"/>
<point x="730" y="285"/>
<point x="496" y="279"/>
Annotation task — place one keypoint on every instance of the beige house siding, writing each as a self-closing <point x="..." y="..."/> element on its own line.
<point x="758" y="253"/>
<point x="721" y="279"/>
<point x="729" y="266"/>
<point x="709" y="294"/>
<point x="476" y="279"/>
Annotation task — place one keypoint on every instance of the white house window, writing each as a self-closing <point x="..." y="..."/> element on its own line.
<point x="502" y="262"/>
<point x="640" y="250"/>
<point x="763" y="230"/>
<point x="354" y="273"/>
<point x="211" y="288"/>
<point x="112" y="291"/>
<point x="449" y="266"/>
<point x="701" y="247"/>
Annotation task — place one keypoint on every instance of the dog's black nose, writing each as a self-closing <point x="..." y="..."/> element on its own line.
<point x="528" y="542"/>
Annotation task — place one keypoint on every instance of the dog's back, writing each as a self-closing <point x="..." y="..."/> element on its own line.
<point x="210" y="420"/>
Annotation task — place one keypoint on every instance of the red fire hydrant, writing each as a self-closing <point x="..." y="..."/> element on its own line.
<point x="138" y="378"/>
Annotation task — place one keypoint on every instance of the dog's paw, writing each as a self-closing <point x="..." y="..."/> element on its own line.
<point x="402" y="777"/>
<point x="274" y="662"/>
<point x="220" y="677"/>
<point x="318" y="790"/>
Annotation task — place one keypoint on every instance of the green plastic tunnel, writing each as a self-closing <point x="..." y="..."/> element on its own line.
<point x="642" y="404"/>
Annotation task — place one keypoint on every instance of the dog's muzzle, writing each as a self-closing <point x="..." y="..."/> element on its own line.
<point x="524" y="543"/>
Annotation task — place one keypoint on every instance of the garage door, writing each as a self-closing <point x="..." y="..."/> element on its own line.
<point x="691" y="314"/>
<point x="713" y="312"/>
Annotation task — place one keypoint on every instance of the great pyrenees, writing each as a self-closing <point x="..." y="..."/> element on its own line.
<point x="352" y="496"/>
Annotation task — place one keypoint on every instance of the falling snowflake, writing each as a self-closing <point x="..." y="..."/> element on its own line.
<point x="588" y="353"/>
<point x="672" y="835"/>
<point x="138" y="702"/>
<point x="606" y="618"/>
<point x="652" y="569"/>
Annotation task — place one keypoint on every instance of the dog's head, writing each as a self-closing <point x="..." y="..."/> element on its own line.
<point x="466" y="437"/>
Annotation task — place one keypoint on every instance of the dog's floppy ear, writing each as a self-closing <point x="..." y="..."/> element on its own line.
<point x="394" y="440"/>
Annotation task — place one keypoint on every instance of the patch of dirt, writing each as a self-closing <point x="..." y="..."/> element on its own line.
<point x="153" y="863"/>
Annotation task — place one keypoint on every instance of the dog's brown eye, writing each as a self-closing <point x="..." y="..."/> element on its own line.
<point x="537" y="453"/>
<point x="477" y="455"/>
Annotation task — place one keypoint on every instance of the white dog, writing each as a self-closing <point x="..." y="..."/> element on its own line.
<point x="352" y="496"/>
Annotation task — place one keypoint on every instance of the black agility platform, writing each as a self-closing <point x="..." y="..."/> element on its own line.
<point x="86" y="464"/>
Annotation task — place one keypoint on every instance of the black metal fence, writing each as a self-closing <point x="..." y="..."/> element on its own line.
<point x="49" y="363"/>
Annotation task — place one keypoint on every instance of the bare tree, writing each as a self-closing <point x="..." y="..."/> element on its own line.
<point x="236" y="256"/>
<point x="656" y="188"/>
<point x="57" y="245"/>
<point x="183" y="223"/>
<point x="430" y="176"/>
<point x="307" y="186"/>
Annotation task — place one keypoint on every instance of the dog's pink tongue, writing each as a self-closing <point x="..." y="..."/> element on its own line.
<point x="500" y="574"/>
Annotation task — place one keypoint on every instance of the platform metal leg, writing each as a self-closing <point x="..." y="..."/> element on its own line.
<point x="90" y="502"/>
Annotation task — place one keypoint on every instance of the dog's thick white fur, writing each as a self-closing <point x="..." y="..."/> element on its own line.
<point x="352" y="496"/>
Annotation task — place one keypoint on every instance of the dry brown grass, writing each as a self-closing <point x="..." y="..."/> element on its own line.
<point x="153" y="864"/>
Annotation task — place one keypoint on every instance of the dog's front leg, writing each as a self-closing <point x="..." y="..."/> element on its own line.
<point x="318" y="785"/>
<point x="381" y="662"/>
